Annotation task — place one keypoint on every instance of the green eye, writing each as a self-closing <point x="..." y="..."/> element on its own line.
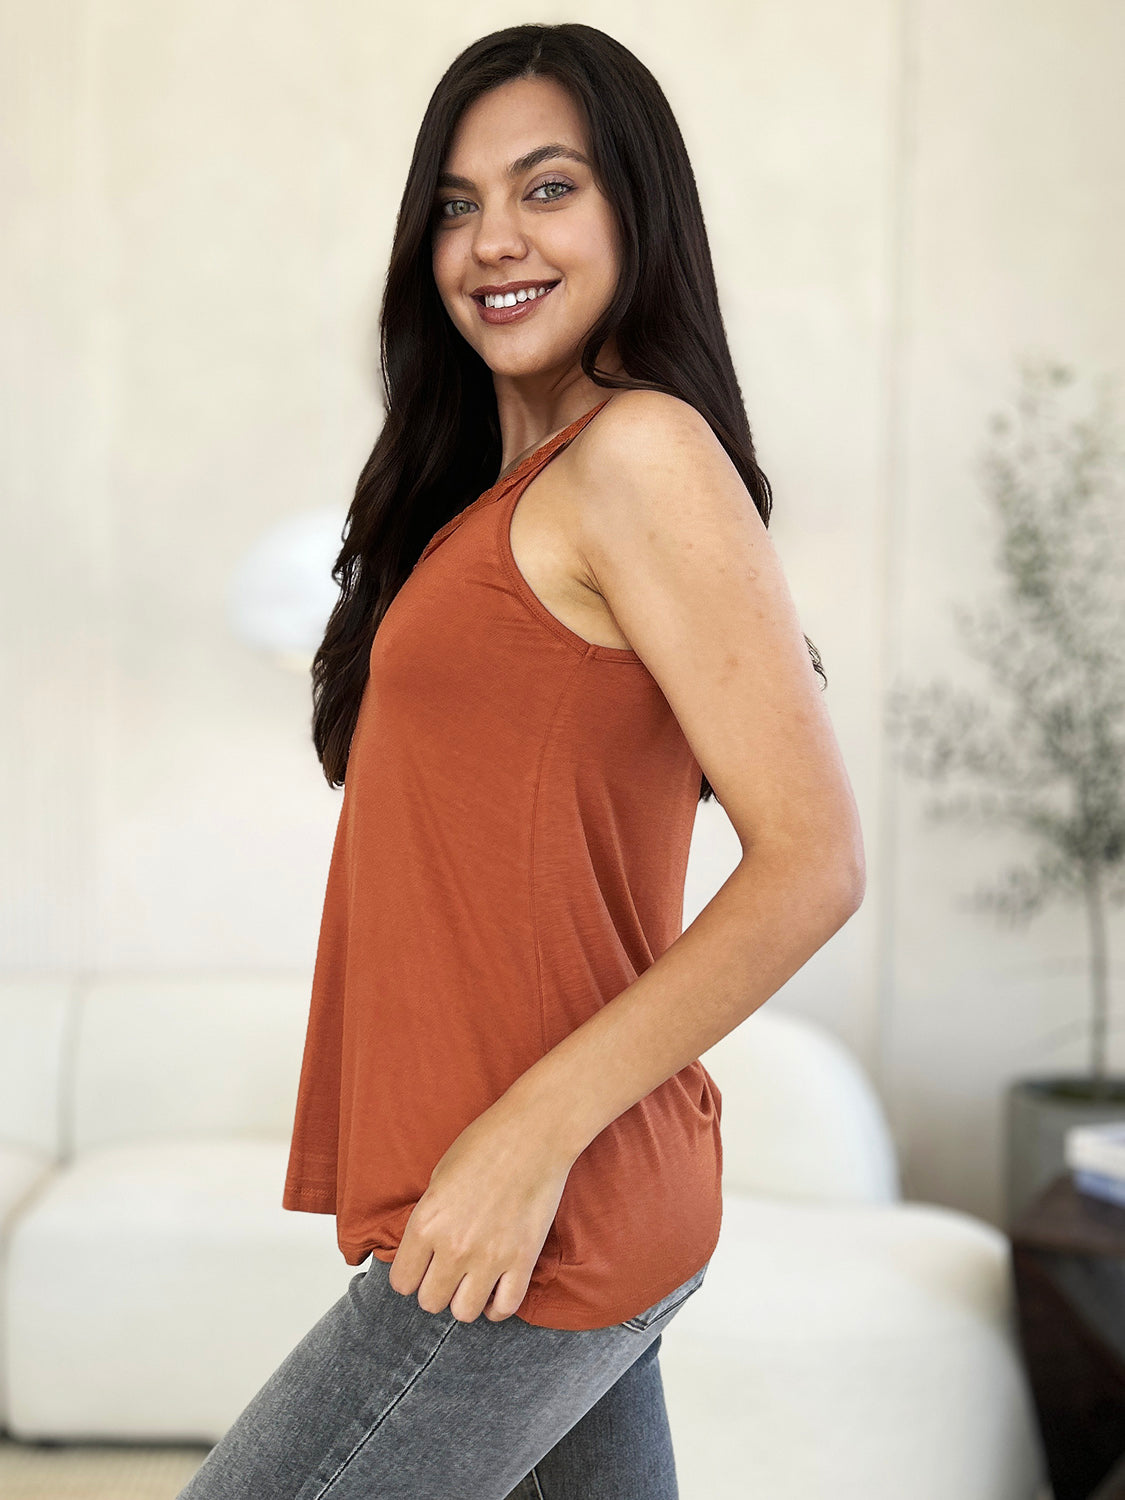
<point x="448" y="203"/>
<point x="554" y="183"/>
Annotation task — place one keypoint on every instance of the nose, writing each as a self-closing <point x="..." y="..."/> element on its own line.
<point x="498" y="237"/>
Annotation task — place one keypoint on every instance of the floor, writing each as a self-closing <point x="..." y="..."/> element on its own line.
<point x="95" y="1471"/>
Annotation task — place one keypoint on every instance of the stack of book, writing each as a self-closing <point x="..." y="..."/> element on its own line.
<point x="1095" y="1155"/>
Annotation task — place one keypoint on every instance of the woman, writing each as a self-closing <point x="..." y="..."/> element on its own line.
<point x="501" y="1098"/>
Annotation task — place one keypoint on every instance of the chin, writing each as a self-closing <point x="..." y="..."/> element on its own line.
<point x="528" y="361"/>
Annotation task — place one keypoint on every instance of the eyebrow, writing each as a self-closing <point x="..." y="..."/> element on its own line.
<point x="519" y="166"/>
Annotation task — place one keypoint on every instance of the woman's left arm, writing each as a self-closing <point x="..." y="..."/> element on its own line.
<point x="674" y="544"/>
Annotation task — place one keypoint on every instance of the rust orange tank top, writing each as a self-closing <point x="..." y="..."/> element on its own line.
<point x="510" y="855"/>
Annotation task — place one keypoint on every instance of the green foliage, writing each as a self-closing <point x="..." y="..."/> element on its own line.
<point x="1045" y="751"/>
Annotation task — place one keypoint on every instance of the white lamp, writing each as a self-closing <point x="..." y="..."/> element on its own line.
<point x="281" y="594"/>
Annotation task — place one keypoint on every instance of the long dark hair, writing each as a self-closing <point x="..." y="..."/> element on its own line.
<point x="441" y="444"/>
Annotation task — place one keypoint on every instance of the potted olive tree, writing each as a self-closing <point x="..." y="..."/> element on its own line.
<point x="1045" y="752"/>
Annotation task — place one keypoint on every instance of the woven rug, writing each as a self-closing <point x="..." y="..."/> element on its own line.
<point x="95" y="1471"/>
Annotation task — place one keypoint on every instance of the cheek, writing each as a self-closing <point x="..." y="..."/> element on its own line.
<point x="605" y="236"/>
<point x="591" y="244"/>
<point x="445" y="270"/>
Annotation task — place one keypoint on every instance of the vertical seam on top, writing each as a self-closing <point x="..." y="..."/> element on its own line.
<point x="538" y="1486"/>
<point x="533" y="910"/>
<point x="547" y="735"/>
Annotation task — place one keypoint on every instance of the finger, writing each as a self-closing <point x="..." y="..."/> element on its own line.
<point x="470" y="1298"/>
<point x="410" y="1265"/>
<point x="438" y="1288"/>
<point x="510" y="1291"/>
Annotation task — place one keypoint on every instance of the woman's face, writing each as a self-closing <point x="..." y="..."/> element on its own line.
<point x="546" y="224"/>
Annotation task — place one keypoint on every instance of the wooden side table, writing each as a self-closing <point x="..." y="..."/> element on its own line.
<point x="1068" y="1261"/>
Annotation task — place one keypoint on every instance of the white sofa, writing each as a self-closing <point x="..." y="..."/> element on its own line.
<point x="845" y="1343"/>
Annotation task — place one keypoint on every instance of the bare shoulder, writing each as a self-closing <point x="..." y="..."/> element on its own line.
<point x="649" y="465"/>
<point x="650" y="428"/>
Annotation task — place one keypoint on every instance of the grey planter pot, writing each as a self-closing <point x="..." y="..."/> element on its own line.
<point x="1040" y="1111"/>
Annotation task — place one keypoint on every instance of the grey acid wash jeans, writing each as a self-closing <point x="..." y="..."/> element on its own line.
<point x="382" y="1400"/>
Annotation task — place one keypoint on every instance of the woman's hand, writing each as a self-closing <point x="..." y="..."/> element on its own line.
<point x="481" y="1223"/>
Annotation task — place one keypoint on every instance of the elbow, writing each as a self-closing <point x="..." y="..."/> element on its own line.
<point x="853" y="881"/>
<point x="842" y="876"/>
<point x="833" y="874"/>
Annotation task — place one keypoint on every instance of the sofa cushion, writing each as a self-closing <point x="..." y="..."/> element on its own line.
<point x="210" y="1056"/>
<point x="37" y="1021"/>
<point x="856" y="1351"/>
<point x="153" y="1286"/>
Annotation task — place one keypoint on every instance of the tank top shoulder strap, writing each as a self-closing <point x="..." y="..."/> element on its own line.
<point x="523" y="470"/>
<point x="548" y="449"/>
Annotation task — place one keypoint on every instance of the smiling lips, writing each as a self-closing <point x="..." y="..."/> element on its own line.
<point x="516" y="310"/>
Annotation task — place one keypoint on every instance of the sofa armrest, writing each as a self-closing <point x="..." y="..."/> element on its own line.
<point x="800" y="1118"/>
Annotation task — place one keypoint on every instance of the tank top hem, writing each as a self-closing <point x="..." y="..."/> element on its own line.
<point x="542" y="1306"/>
<point x="547" y="1308"/>
<point x="310" y="1199"/>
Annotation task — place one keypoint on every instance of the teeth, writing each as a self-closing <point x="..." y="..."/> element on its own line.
<point x="510" y="299"/>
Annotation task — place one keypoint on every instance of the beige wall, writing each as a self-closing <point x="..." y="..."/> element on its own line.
<point x="902" y="198"/>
